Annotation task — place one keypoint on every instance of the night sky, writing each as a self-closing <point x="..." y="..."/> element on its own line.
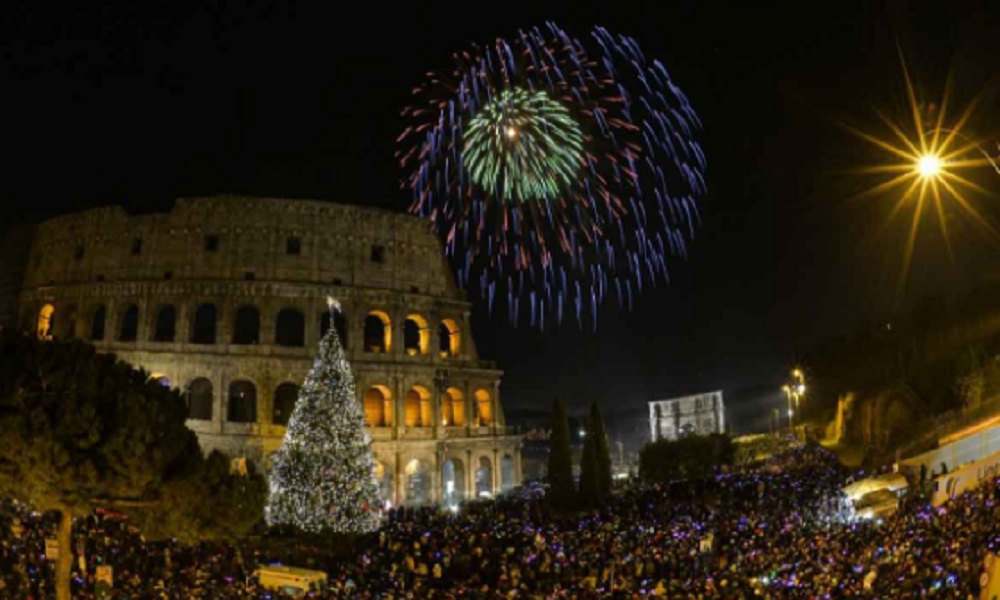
<point x="139" y="103"/>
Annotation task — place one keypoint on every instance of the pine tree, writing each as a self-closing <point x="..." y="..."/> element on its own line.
<point x="590" y="491"/>
<point x="323" y="475"/>
<point x="560" y="471"/>
<point x="595" y="461"/>
<point x="602" y="450"/>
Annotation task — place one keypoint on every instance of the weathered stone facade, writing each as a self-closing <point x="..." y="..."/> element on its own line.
<point x="699" y="414"/>
<point x="226" y="298"/>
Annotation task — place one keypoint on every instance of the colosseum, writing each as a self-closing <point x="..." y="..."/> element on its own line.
<point x="225" y="298"/>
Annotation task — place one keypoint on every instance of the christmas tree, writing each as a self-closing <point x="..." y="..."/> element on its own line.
<point x="323" y="475"/>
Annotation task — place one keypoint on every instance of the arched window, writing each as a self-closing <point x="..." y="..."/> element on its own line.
<point x="378" y="408"/>
<point x="416" y="335"/>
<point x="166" y="324"/>
<point x="449" y="338"/>
<point x="290" y="328"/>
<point x="206" y="319"/>
<point x="242" y="402"/>
<point x="484" y="477"/>
<point x="454" y="402"/>
<point x="339" y="321"/>
<point x="417" y="407"/>
<point x="246" y="326"/>
<point x="97" y="323"/>
<point x="284" y="403"/>
<point x="485" y="406"/>
<point x="46" y="322"/>
<point x="507" y="473"/>
<point x="129" y="330"/>
<point x="200" y="399"/>
<point x="68" y="325"/>
<point x="378" y="332"/>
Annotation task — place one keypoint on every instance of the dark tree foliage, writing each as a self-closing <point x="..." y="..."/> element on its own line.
<point x="602" y="450"/>
<point x="926" y="351"/>
<point x="595" y="461"/>
<point x="83" y="430"/>
<point x="562" y="490"/>
<point x="691" y="457"/>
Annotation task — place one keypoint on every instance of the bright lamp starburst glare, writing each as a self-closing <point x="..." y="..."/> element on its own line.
<point x="931" y="168"/>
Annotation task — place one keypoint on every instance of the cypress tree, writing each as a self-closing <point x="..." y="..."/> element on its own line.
<point x="590" y="489"/>
<point x="560" y="471"/>
<point x="602" y="451"/>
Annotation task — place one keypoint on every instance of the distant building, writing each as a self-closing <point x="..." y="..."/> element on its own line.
<point x="700" y="414"/>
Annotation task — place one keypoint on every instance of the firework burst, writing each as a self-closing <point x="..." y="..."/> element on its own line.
<point x="558" y="171"/>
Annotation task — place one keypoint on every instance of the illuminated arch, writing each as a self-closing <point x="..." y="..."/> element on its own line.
<point x="418" y="481"/>
<point x="484" y="477"/>
<point x="378" y="406"/>
<point x="449" y="338"/>
<point x="386" y="481"/>
<point x="416" y="335"/>
<point x="46" y="318"/>
<point x="453" y="481"/>
<point x="417" y="407"/>
<point x="453" y="407"/>
<point x="485" y="407"/>
<point x="507" y="473"/>
<point x="378" y="332"/>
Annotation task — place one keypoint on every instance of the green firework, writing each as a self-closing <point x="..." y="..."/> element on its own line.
<point x="524" y="146"/>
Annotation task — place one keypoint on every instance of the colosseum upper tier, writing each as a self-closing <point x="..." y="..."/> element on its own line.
<point x="225" y="298"/>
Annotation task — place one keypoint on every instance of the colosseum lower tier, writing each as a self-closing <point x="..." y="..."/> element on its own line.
<point x="225" y="298"/>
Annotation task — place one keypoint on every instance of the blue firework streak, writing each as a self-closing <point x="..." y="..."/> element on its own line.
<point x="558" y="171"/>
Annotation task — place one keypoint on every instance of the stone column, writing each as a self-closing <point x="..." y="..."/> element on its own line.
<point x="399" y="492"/>
<point x="495" y="471"/>
<point x="436" y="478"/>
<point x="312" y="329"/>
<point x="470" y="477"/>
<point x="399" y="410"/>
<point x="268" y="318"/>
<point x="182" y="328"/>
<point x="517" y="465"/>
<point x="219" y="412"/>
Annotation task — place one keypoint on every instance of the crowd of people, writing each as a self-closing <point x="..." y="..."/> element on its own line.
<point x="779" y="529"/>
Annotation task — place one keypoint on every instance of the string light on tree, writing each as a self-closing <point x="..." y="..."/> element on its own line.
<point x="323" y="475"/>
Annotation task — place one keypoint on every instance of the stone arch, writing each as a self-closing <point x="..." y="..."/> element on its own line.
<point x="417" y="407"/>
<point x="200" y="399"/>
<point x="285" y="396"/>
<point x="417" y="481"/>
<point x="165" y="328"/>
<point x="507" y="473"/>
<point x="449" y="338"/>
<point x="128" y="330"/>
<point x="67" y="326"/>
<point x="204" y="327"/>
<point x="484" y="477"/>
<point x="98" y="322"/>
<point x="377" y="402"/>
<point x="386" y="482"/>
<point x="242" y="405"/>
<point x="453" y="407"/>
<point x="453" y="481"/>
<point x="290" y="328"/>
<point x="378" y="332"/>
<point x="484" y="407"/>
<point x="416" y="335"/>
<point x="45" y="322"/>
<point x="246" y="326"/>
<point x="339" y="321"/>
